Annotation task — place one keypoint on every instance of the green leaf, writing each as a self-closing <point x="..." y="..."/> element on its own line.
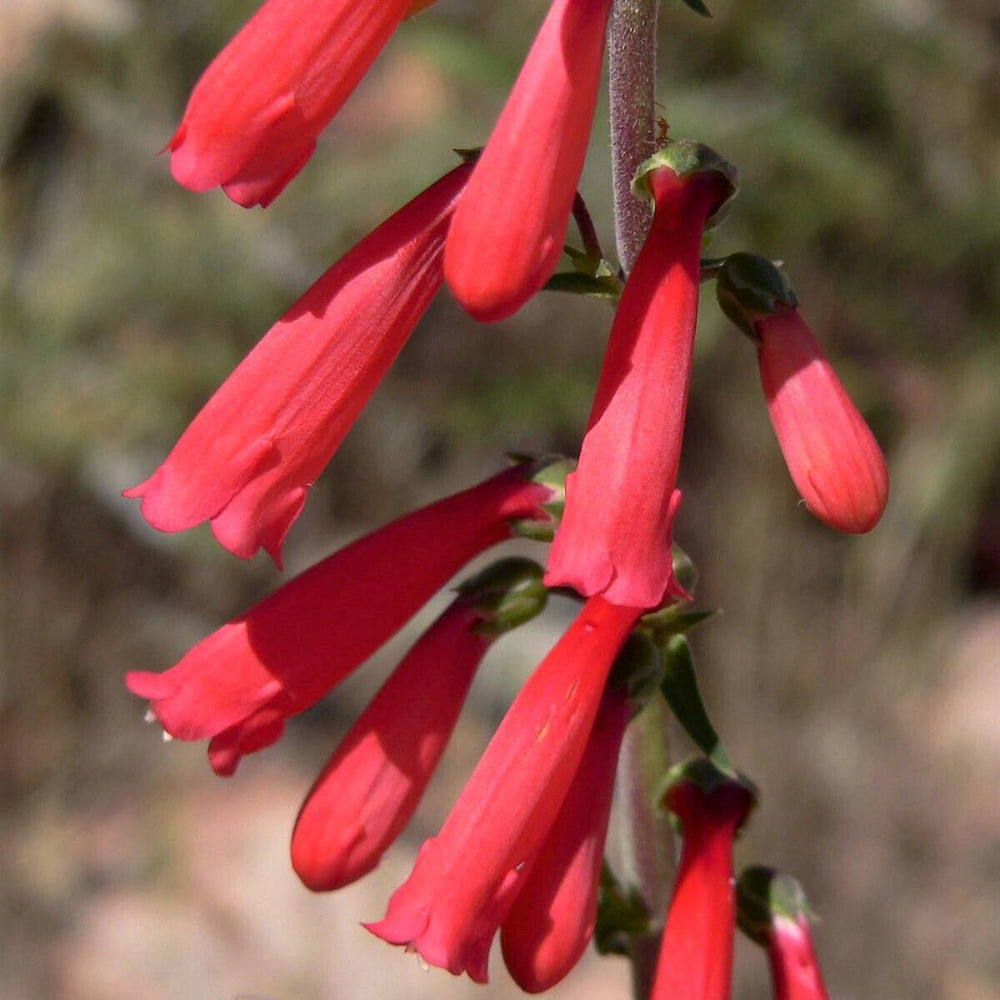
<point x="584" y="284"/>
<point x="680" y="688"/>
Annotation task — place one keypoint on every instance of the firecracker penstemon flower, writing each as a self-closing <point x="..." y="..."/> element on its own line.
<point x="696" y="952"/>
<point x="774" y="912"/>
<point x="248" y="459"/>
<point x="617" y="529"/>
<point x="509" y="229"/>
<point x="521" y="852"/>
<point x="253" y="119"/>
<point x="372" y="784"/>
<point x="237" y="687"/>
<point x="552" y="919"/>
<point x="467" y="877"/>
<point x="832" y="455"/>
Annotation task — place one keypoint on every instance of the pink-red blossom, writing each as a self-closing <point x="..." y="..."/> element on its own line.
<point x="238" y="686"/>
<point x="830" y="451"/>
<point x="466" y="878"/>
<point x="375" y="779"/>
<point x="553" y="917"/>
<point x="510" y="227"/>
<point x="252" y="122"/>
<point x="832" y="455"/>
<point x="696" y="953"/>
<point x="617" y="530"/>
<point x="248" y="459"/>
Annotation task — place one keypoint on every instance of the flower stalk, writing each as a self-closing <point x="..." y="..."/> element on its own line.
<point x="632" y="86"/>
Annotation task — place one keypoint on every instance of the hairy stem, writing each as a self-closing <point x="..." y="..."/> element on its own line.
<point x="632" y="81"/>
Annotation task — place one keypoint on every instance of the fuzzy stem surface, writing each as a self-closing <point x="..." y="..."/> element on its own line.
<point x="632" y="83"/>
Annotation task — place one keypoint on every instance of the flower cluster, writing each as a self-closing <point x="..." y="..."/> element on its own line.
<point x="521" y="852"/>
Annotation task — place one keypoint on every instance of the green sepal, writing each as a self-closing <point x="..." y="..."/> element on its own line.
<point x="762" y="894"/>
<point x="621" y="915"/>
<point x="674" y="619"/>
<point x="751" y="288"/>
<point x="637" y="668"/>
<point x="680" y="688"/>
<point x="469" y="155"/>
<point x="508" y="593"/>
<point x="551" y="471"/>
<point x="698" y="7"/>
<point x="686" y="158"/>
<point x="605" y="287"/>
<point x="706" y="775"/>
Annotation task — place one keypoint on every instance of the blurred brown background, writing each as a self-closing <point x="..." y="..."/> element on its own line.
<point x="855" y="679"/>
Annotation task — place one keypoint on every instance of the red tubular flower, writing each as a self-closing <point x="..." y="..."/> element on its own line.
<point x="239" y="685"/>
<point x="253" y="119"/>
<point x="696" y="953"/>
<point x="832" y="455"/>
<point x="553" y="917"/>
<point x="773" y="911"/>
<point x="616" y="535"/>
<point x="377" y="776"/>
<point x="510" y="228"/>
<point x="466" y="878"/>
<point x="247" y="461"/>
<point x="830" y="451"/>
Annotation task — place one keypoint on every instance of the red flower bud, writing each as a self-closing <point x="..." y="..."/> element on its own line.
<point x="832" y="455"/>
<point x="552" y="919"/>
<point x="239" y="685"/>
<point x="248" y="459"/>
<point x="253" y="119"/>
<point x="696" y="953"/>
<point x="466" y="878"/>
<point x="616" y="535"/>
<point x="510" y="226"/>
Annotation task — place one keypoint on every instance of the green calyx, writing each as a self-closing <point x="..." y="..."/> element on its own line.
<point x="751" y="288"/>
<point x="550" y="471"/>
<point x="637" y="668"/>
<point x="686" y="158"/>
<point x="763" y="894"/>
<point x="708" y="777"/>
<point x="506" y="594"/>
<point x="621" y="916"/>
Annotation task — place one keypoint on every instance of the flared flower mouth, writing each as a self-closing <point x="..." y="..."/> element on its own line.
<point x="467" y="878"/>
<point x="617" y="533"/>
<point x="248" y="460"/>
<point x="252" y="122"/>
<point x="237" y="687"/>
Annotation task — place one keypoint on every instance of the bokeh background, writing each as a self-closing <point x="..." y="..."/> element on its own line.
<point x="855" y="679"/>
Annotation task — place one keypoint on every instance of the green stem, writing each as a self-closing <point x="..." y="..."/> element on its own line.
<point x="632" y="83"/>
